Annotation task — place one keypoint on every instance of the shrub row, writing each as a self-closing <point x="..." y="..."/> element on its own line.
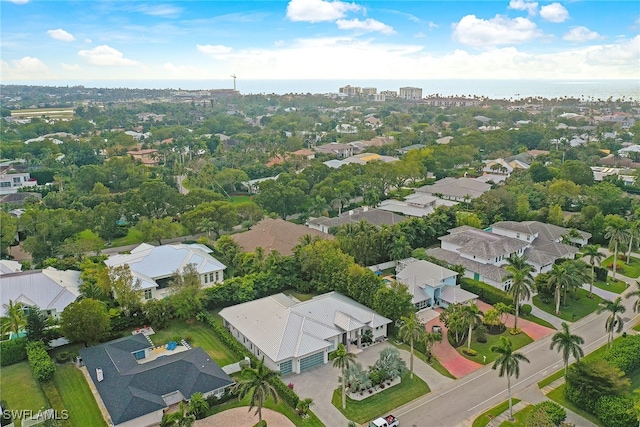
<point x="624" y="354"/>
<point x="234" y="345"/>
<point x="41" y="364"/>
<point x="55" y="401"/>
<point x="616" y="411"/>
<point x="485" y="292"/>
<point x="554" y="412"/>
<point x="601" y="273"/>
<point x="13" y="351"/>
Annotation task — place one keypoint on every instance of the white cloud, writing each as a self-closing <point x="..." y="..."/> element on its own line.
<point x="215" y="51"/>
<point x="105" y="55"/>
<point x="25" y="68"/>
<point x="61" y="35"/>
<point x="621" y="56"/>
<point x="159" y="10"/>
<point x="419" y="35"/>
<point x="319" y="10"/>
<point x="433" y="25"/>
<point x="19" y="1"/>
<point x="496" y="31"/>
<point x="580" y="34"/>
<point x="70" y="67"/>
<point x="367" y="25"/>
<point x="554" y="12"/>
<point x="88" y="40"/>
<point x="530" y="6"/>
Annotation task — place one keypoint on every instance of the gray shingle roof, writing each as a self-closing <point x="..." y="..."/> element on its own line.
<point x="482" y="244"/>
<point x="373" y="216"/>
<point x="489" y="271"/>
<point x="544" y="231"/>
<point x="130" y="389"/>
<point x="456" y="187"/>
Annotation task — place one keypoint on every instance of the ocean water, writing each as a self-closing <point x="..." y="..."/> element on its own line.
<point x="494" y="89"/>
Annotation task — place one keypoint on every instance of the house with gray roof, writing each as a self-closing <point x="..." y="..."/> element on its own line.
<point x="137" y="387"/>
<point x="155" y="266"/>
<point x="373" y="216"/>
<point x="417" y="205"/>
<point x="458" y="189"/>
<point x="51" y="290"/>
<point x="295" y="336"/>
<point x="431" y="285"/>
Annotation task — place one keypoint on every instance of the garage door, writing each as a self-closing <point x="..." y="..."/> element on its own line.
<point x="286" y="367"/>
<point x="311" y="361"/>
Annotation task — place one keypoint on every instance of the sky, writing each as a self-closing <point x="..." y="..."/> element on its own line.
<point x="62" y="41"/>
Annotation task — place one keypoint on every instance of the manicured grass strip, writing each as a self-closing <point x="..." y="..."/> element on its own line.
<point x="20" y="390"/>
<point x="615" y="286"/>
<point x="575" y="309"/>
<point x="435" y="363"/>
<point x="551" y="378"/>
<point x="630" y="270"/>
<point x="539" y="321"/>
<point x="200" y="335"/>
<point x="557" y="395"/>
<point x="484" y="418"/>
<point x="133" y="237"/>
<point x="281" y="407"/>
<point x="637" y="327"/>
<point x="299" y="296"/>
<point x="484" y="349"/>
<point x="382" y="403"/>
<point x="77" y="397"/>
<point x="519" y="418"/>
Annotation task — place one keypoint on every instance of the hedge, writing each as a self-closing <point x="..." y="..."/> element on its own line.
<point x="485" y="292"/>
<point x="556" y="413"/>
<point x="41" y="364"/>
<point x="616" y="411"/>
<point x="624" y="354"/>
<point x="55" y="401"/>
<point x="601" y="273"/>
<point x="13" y="351"/>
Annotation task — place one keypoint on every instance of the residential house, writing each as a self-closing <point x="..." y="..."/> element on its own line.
<point x="8" y="266"/>
<point x="417" y="205"/>
<point x="148" y="157"/>
<point x="626" y="175"/>
<point x="11" y="181"/>
<point x="138" y="383"/>
<point x="306" y="153"/>
<point x="405" y="150"/>
<point x="155" y="266"/>
<point x="253" y="186"/>
<point x="458" y="189"/>
<point x="430" y="284"/>
<point x="364" y="158"/>
<point x="49" y="289"/>
<point x="346" y="128"/>
<point x="374" y="216"/>
<point x="275" y="235"/>
<point x="335" y="149"/>
<point x="444" y="140"/>
<point x="295" y="336"/>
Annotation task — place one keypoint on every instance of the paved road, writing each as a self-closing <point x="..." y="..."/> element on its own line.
<point x="475" y="393"/>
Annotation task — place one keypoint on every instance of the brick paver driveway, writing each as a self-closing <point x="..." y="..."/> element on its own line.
<point x="243" y="417"/>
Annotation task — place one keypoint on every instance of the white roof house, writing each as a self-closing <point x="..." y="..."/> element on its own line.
<point x="51" y="290"/>
<point x="295" y="336"/>
<point x="154" y="266"/>
<point x="9" y="266"/>
<point x="459" y="189"/>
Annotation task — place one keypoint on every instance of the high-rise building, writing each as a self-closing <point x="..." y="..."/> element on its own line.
<point x="409" y="92"/>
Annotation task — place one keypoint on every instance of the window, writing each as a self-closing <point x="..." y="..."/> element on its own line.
<point x="148" y="294"/>
<point x="16" y="180"/>
<point x="217" y="277"/>
<point x="206" y="279"/>
<point x="211" y="277"/>
<point x="5" y="184"/>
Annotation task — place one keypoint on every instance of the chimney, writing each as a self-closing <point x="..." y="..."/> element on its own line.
<point x="99" y="374"/>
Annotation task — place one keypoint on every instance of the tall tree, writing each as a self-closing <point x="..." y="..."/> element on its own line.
<point x="186" y="299"/>
<point x="595" y="256"/>
<point x="614" y="322"/>
<point x="256" y="384"/>
<point x="569" y="344"/>
<point x="14" y="319"/>
<point x="558" y="279"/>
<point x="411" y="329"/>
<point x="616" y="233"/>
<point x="36" y="325"/>
<point x="519" y="273"/>
<point x="508" y="361"/>
<point x="471" y="315"/>
<point x="125" y="288"/>
<point x="86" y="321"/>
<point x="343" y="359"/>
<point x="636" y="294"/>
<point x="430" y="339"/>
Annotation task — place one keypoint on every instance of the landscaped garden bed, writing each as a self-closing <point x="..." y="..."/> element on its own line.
<point x="630" y="270"/>
<point x="574" y="309"/>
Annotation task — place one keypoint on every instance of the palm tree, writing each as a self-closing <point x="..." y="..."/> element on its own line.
<point x="509" y="362"/>
<point x="614" y="321"/>
<point x="205" y="225"/>
<point x="198" y="405"/>
<point x="617" y="234"/>
<point x="569" y="344"/>
<point x="257" y="384"/>
<point x="471" y="315"/>
<point x="595" y="256"/>
<point x="15" y="320"/>
<point x="181" y="418"/>
<point x="636" y="293"/>
<point x="558" y="279"/>
<point x="579" y="274"/>
<point x="342" y="359"/>
<point x="411" y="329"/>
<point x="519" y="273"/>
<point x="633" y="232"/>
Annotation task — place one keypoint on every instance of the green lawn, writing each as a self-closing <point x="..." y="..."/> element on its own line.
<point x="484" y="349"/>
<point x="575" y="310"/>
<point x="520" y="418"/>
<point x="77" y="397"/>
<point x="637" y="327"/>
<point x="484" y="418"/>
<point x="630" y="270"/>
<point x="557" y="396"/>
<point x="240" y="199"/>
<point x="299" y="296"/>
<point x="199" y="335"/>
<point x="20" y="390"/>
<point x="539" y="321"/>
<point x="615" y="286"/>
<point x="551" y="378"/>
<point x="133" y="236"/>
<point x="435" y="364"/>
<point x="382" y="403"/>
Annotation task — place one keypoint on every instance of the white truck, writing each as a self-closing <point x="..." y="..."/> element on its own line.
<point x="388" y="421"/>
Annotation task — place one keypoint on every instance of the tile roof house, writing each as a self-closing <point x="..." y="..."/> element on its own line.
<point x="373" y="216"/>
<point x="458" y="189"/>
<point x="416" y="205"/>
<point x="484" y="254"/>
<point x="137" y="387"/>
<point x="430" y="284"/>
<point x="275" y="234"/>
<point x="336" y="149"/>
<point x="50" y="289"/>
<point x="295" y="336"/>
<point x="155" y="266"/>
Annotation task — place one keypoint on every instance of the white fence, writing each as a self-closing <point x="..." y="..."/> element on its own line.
<point x="236" y="367"/>
<point x="382" y="266"/>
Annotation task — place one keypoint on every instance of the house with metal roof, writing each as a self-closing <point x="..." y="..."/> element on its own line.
<point x="155" y="266"/>
<point x="295" y="336"/>
<point x="373" y="216"/>
<point x="431" y="285"/>
<point x="51" y="290"/>
<point x="458" y="189"/>
<point x="137" y="387"/>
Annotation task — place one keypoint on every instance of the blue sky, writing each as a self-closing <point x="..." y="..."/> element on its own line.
<point x="62" y="41"/>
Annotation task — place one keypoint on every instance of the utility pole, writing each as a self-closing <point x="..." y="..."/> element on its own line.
<point x="234" y="81"/>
